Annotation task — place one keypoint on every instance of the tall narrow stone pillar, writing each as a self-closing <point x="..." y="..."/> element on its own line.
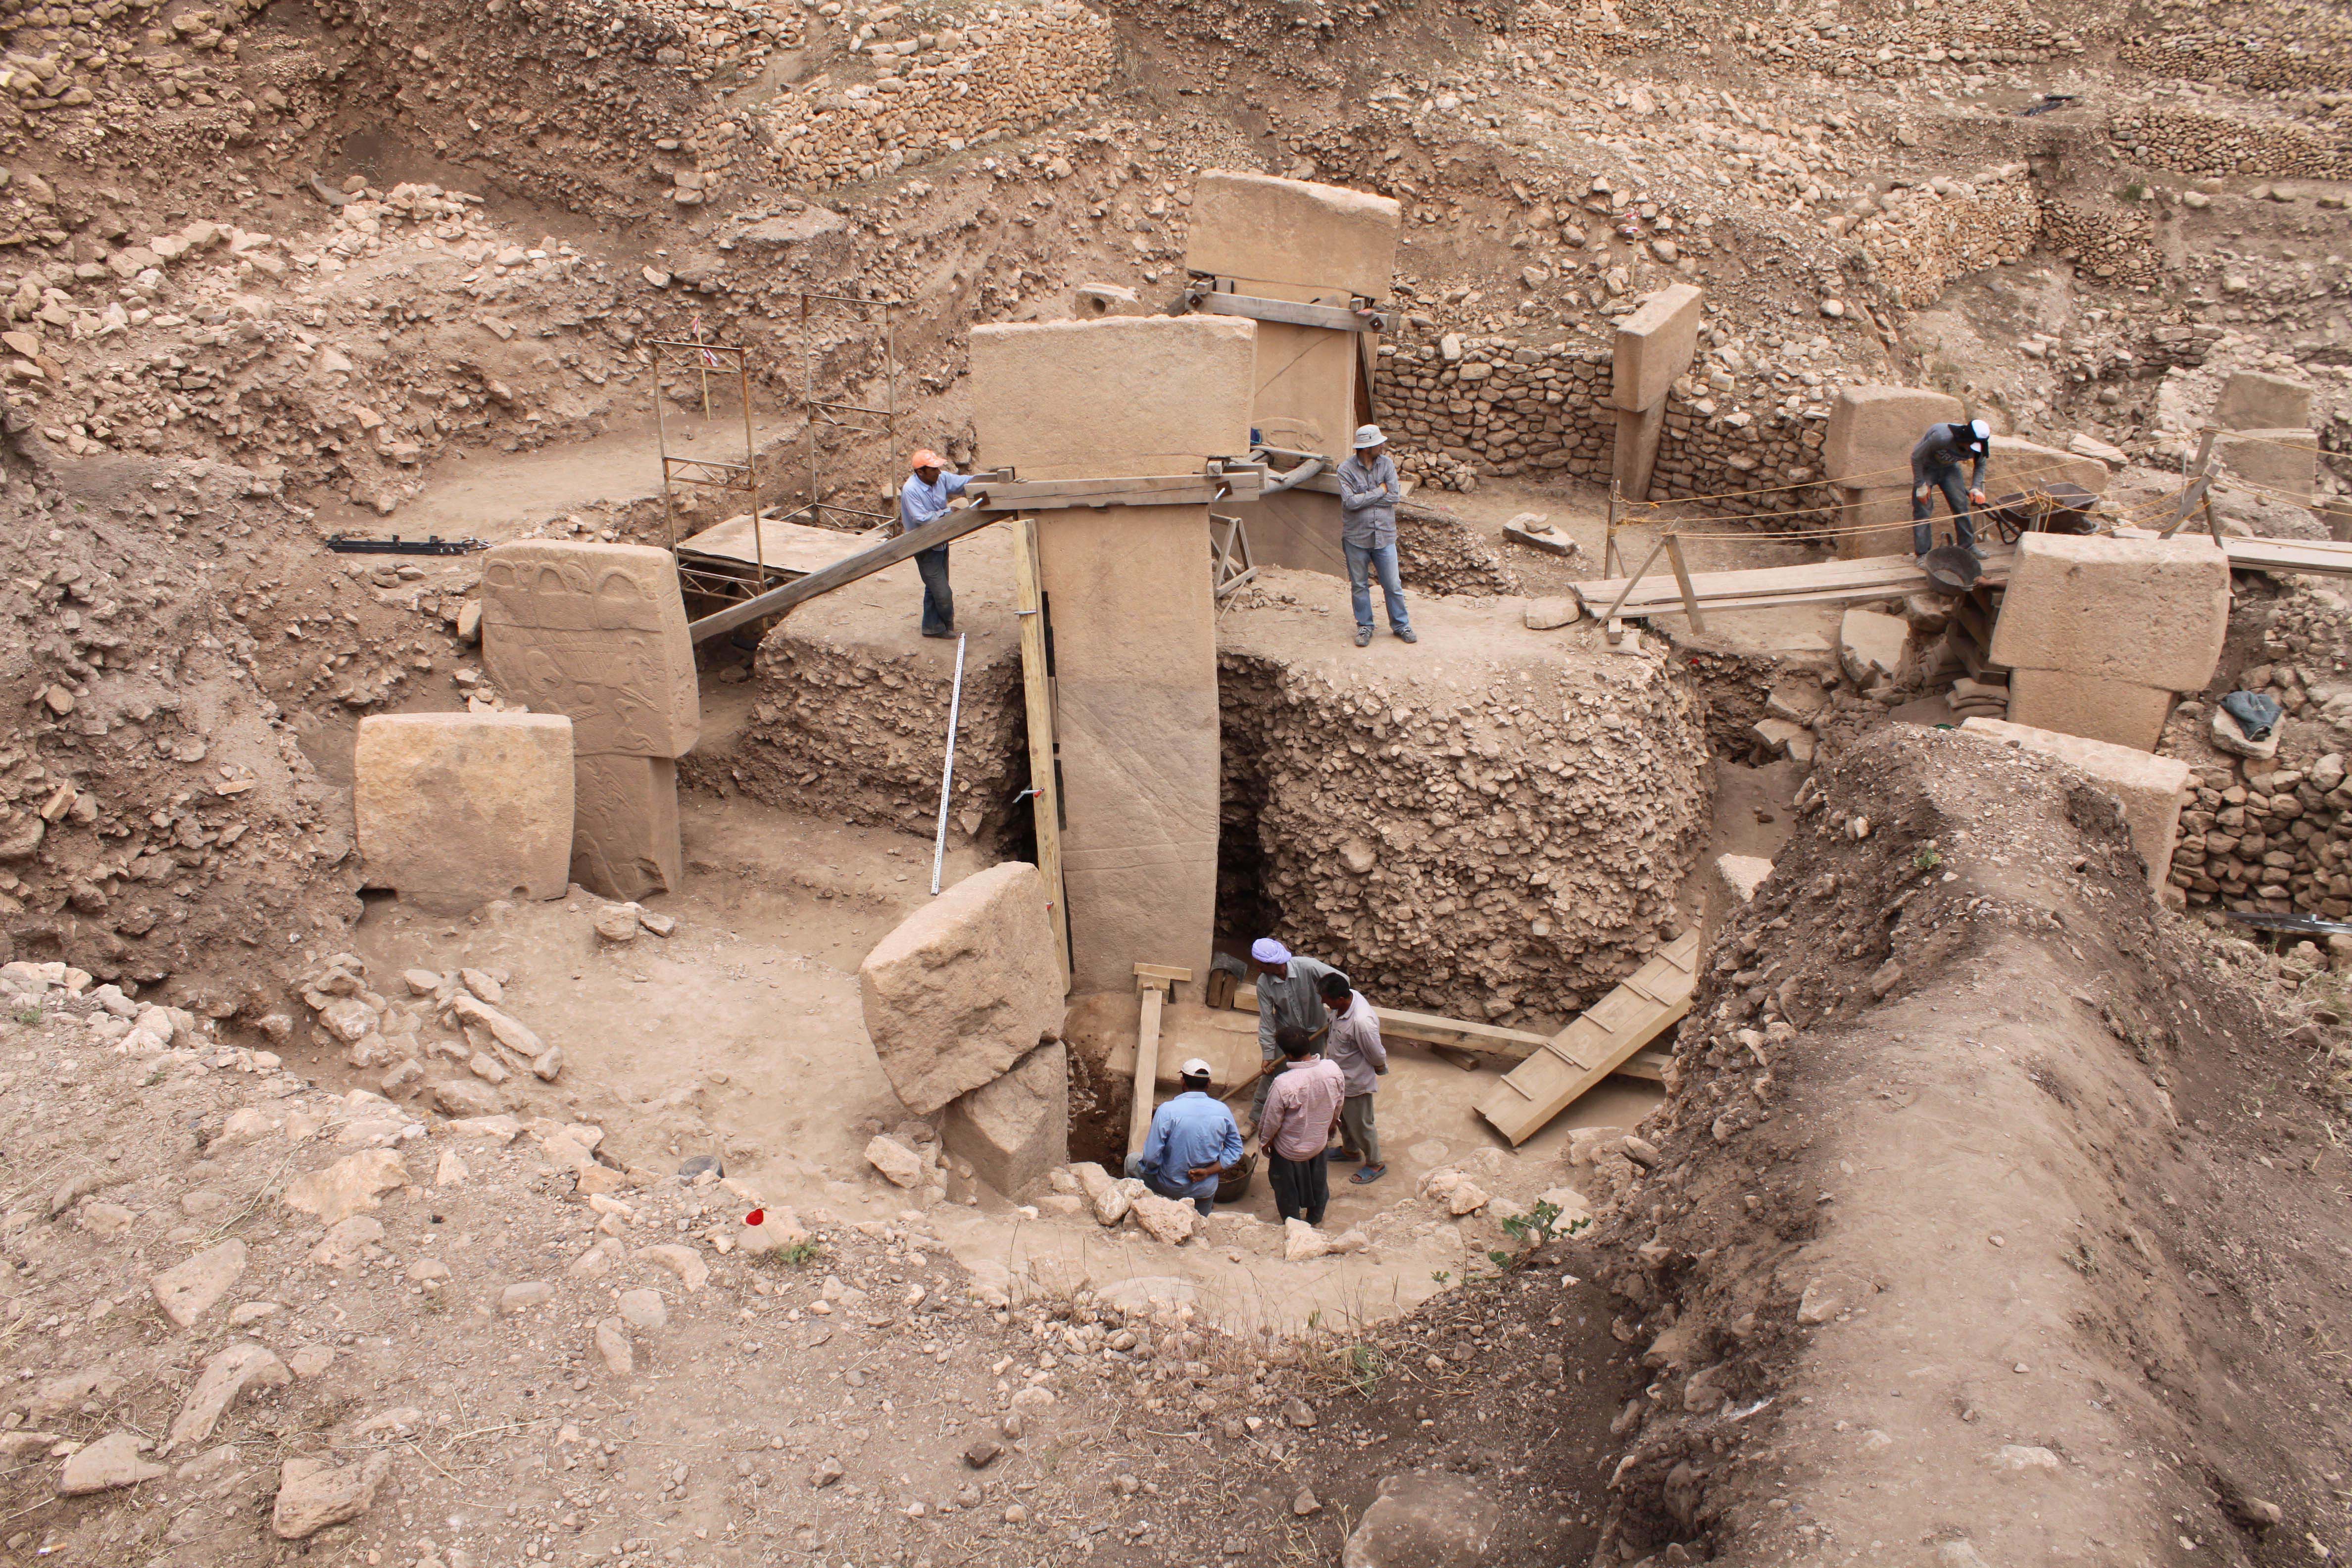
<point x="597" y="632"/>
<point x="1654" y="345"/>
<point x="1132" y="612"/>
<point x="1308" y="244"/>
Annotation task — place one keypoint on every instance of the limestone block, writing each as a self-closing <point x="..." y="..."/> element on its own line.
<point x="2015" y="465"/>
<point x="1878" y="521"/>
<point x="1739" y="876"/>
<point x="595" y="632"/>
<point x="626" y="840"/>
<point x="1871" y="432"/>
<point x="1275" y="230"/>
<point x="452" y="810"/>
<point x="2287" y="460"/>
<point x="1653" y="345"/>
<point x="1115" y="397"/>
<point x="965" y="987"/>
<point x="2073" y="704"/>
<point x="1017" y="1129"/>
<point x="2150" y="787"/>
<point x="1874" y="648"/>
<point x="2253" y="401"/>
<point x="2145" y="612"/>
<point x="1424" y="1518"/>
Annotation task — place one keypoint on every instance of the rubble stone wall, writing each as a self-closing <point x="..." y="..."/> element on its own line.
<point x="842" y="733"/>
<point x="2200" y="142"/>
<point x="936" y="93"/>
<point x="1506" y="837"/>
<point x="1503" y="406"/>
<point x="1950" y="228"/>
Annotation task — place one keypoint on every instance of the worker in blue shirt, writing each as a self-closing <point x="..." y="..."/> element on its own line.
<point x="1193" y="1138"/>
<point x="923" y="499"/>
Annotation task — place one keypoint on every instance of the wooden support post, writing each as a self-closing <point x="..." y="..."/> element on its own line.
<point x="1147" y="1065"/>
<point x="1683" y="581"/>
<point x="1046" y="803"/>
<point x="2197" y="468"/>
<point x="1610" y="622"/>
<point x="1611" y="561"/>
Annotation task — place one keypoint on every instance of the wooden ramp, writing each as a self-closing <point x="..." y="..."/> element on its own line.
<point x="2322" y="557"/>
<point x="1608" y="1033"/>
<point x="1861" y="581"/>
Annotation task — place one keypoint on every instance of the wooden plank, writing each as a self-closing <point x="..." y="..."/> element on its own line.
<point x="1683" y="581"/>
<point x="1883" y="577"/>
<point x="1036" y="691"/>
<point x="1430" y="1029"/>
<point x="1147" y="1071"/>
<point x="777" y="600"/>
<point x="1647" y="1065"/>
<point x="1596" y="1044"/>
<point x="1290" y="313"/>
<point x="2324" y="558"/>
<point x="1166" y="974"/>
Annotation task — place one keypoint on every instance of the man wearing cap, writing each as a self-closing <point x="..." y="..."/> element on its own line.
<point x="1193" y="1138"/>
<point x="1936" y="465"/>
<point x="1369" y="494"/>
<point x="1287" y="994"/>
<point x="923" y="499"/>
<point x="1300" y="1117"/>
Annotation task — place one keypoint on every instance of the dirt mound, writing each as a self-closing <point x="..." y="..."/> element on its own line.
<point x="1977" y="1167"/>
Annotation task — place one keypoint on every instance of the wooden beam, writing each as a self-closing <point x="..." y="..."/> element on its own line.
<point x="1147" y="1071"/>
<point x="1430" y="1029"/>
<point x="1165" y="976"/>
<point x="1036" y="690"/>
<point x="778" y="600"/>
<point x="1241" y="483"/>
<point x="1683" y="581"/>
<point x="2197" y="468"/>
<point x="1290" y="313"/>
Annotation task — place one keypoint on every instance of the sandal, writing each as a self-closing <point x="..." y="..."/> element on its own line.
<point x="1368" y="1174"/>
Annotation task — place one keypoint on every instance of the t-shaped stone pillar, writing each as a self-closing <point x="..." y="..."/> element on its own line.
<point x="1654" y="345"/>
<point x="598" y="632"/>
<point x="1133" y="618"/>
<point x="1296" y="241"/>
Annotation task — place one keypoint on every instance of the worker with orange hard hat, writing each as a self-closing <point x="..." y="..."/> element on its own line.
<point x="922" y="500"/>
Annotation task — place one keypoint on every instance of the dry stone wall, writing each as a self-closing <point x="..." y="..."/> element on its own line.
<point x="1506" y="837"/>
<point x="2202" y="142"/>
<point x="841" y="732"/>
<point x="1894" y="47"/>
<point x="935" y="93"/>
<point x="1506" y="406"/>
<point x="2263" y="45"/>
<point x="2275" y="833"/>
<point x="1948" y="228"/>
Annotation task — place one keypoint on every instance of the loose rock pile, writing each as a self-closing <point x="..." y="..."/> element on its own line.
<point x="1948" y="228"/>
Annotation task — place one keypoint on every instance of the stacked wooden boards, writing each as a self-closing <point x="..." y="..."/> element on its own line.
<point x="1600" y="1041"/>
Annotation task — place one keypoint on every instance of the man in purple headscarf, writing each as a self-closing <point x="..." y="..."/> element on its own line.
<point x="1289" y="993"/>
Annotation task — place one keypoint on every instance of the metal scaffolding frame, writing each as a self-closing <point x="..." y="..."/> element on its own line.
<point x="816" y="410"/>
<point x="709" y="473"/>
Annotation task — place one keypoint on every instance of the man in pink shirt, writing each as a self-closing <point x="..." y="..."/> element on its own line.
<point x="1302" y="1110"/>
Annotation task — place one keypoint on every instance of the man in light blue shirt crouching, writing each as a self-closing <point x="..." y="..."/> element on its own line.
<point x="1193" y="1138"/>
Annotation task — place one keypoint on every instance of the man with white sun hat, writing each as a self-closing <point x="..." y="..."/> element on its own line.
<point x="1369" y="494"/>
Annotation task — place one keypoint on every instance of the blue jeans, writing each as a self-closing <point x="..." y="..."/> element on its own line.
<point x="1363" y="561"/>
<point x="938" y="602"/>
<point x="1202" y="1194"/>
<point x="1956" y="495"/>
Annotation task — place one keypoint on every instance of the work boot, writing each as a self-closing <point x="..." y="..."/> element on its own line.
<point x="1363" y="635"/>
<point x="1406" y="634"/>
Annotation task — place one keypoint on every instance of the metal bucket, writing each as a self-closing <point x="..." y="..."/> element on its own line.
<point x="1951" y="569"/>
<point x="1234" y="1184"/>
